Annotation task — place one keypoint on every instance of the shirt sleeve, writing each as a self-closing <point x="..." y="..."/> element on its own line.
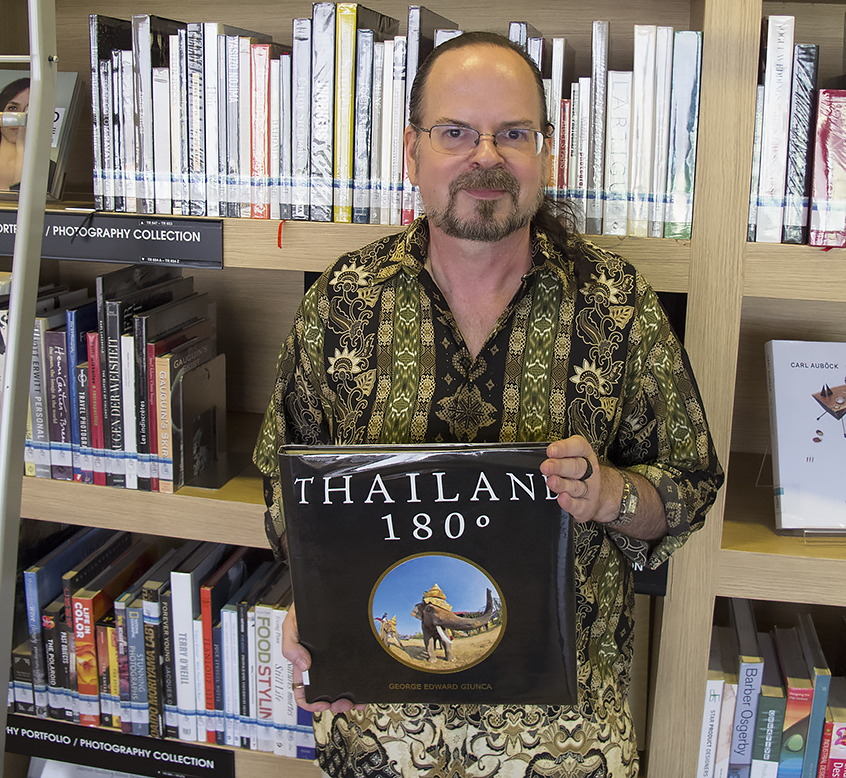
<point x="663" y="434"/>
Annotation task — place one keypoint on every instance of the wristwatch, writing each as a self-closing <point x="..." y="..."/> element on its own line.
<point x="628" y="503"/>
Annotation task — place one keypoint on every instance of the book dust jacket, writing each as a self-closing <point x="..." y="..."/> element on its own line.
<point x="437" y="574"/>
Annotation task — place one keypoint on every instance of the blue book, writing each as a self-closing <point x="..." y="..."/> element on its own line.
<point x="139" y="710"/>
<point x="820" y="675"/>
<point x="42" y="584"/>
<point x="80" y="320"/>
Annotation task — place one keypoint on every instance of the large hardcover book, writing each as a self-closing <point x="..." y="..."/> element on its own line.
<point x="749" y="678"/>
<point x="322" y="110"/>
<point x="683" y="133"/>
<point x="777" y="54"/>
<point x="800" y="143"/>
<point x="436" y="564"/>
<point x="800" y="695"/>
<point x="105" y="33"/>
<point x="828" y="215"/>
<point x="769" y="720"/>
<point x="617" y="152"/>
<point x="150" y="49"/>
<point x="807" y="398"/>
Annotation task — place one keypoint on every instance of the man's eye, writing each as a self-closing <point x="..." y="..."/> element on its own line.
<point x="455" y="133"/>
<point x="515" y="136"/>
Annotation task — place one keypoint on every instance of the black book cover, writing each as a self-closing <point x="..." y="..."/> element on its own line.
<point x="460" y="553"/>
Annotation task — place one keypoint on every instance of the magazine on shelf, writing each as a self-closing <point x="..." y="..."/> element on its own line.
<point x="427" y="526"/>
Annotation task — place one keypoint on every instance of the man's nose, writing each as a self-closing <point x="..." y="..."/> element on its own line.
<point x="486" y="153"/>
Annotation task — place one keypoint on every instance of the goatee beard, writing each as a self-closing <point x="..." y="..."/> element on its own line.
<point x="485" y="228"/>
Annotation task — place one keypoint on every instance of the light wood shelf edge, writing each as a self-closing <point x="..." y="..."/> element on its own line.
<point x="783" y="271"/>
<point x="191" y="513"/>
<point x="258" y="763"/>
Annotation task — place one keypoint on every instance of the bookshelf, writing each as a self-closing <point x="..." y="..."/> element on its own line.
<point x="739" y="295"/>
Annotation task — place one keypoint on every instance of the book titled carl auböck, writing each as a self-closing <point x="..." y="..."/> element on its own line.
<point x="431" y="574"/>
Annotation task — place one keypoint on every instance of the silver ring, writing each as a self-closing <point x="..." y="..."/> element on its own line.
<point x="588" y="471"/>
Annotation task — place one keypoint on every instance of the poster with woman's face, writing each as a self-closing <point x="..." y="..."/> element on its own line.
<point x="14" y="99"/>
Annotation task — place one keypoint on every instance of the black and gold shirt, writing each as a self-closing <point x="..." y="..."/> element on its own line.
<point x="375" y="357"/>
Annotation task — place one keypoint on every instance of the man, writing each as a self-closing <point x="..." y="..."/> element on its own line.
<point x="486" y="321"/>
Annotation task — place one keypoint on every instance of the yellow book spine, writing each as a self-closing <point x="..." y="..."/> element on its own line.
<point x="345" y="32"/>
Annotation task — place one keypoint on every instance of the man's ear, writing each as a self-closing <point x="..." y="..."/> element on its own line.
<point x="409" y="139"/>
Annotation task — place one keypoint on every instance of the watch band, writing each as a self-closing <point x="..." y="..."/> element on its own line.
<point x="628" y="502"/>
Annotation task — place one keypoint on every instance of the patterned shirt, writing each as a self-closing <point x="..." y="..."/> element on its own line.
<point x="375" y="357"/>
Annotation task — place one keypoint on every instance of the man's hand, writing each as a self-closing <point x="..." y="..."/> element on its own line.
<point x="300" y="658"/>
<point x="569" y="461"/>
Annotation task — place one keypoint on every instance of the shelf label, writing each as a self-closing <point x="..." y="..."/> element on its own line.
<point x="109" y="750"/>
<point x="127" y="238"/>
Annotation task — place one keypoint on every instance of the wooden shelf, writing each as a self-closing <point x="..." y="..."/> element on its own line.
<point x="757" y="561"/>
<point x="794" y="272"/>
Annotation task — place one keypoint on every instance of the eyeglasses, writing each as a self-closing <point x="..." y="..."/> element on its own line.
<point x="454" y="139"/>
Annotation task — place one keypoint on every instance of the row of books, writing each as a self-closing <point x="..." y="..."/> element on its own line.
<point x="773" y="709"/>
<point x="162" y="638"/>
<point x="799" y="155"/>
<point x="126" y="388"/>
<point x="228" y="123"/>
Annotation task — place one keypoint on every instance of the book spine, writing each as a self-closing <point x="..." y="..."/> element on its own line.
<point x="98" y="458"/>
<point x="596" y="148"/>
<point x="130" y="429"/>
<point x="345" y="115"/>
<point x="252" y="676"/>
<point x="222" y="126"/>
<point x="777" y="81"/>
<point x="199" y="685"/>
<point x="51" y="629"/>
<point x="162" y="167"/>
<point x="243" y="677"/>
<point x="233" y="131"/>
<point x="376" y="132"/>
<point x="284" y="704"/>
<point x="208" y="679"/>
<point x="766" y="744"/>
<point x="285" y="137"/>
<point x="836" y="763"/>
<point x="196" y="120"/>
<point x="363" y="128"/>
<point x="582" y="193"/>
<point x="322" y="110"/>
<point x="211" y="82"/>
<point x="117" y="128"/>
<point x="684" y="122"/>
<point x="143" y="101"/>
<point x="797" y="188"/>
<point x="265" y="727"/>
<point x="231" y="706"/>
<point x="565" y="137"/>
<point x="38" y="403"/>
<point x="412" y="62"/>
<point x="182" y="623"/>
<point x="275" y="138"/>
<point x="58" y="405"/>
<point x="124" y="682"/>
<point x="642" y="131"/>
<point x="387" y="128"/>
<point x="136" y="654"/>
<point x="397" y="127"/>
<point x="825" y="748"/>
<point x="752" y="221"/>
<point x="104" y="84"/>
<point x="127" y="131"/>
<point x="68" y="689"/>
<point x="141" y="409"/>
<point x="304" y="735"/>
<point x="164" y="413"/>
<point x="86" y="661"/>
<point x="23" y="682"/>
<point x="661" y="144"/>
<point x="114" y="677"/>
<point x="169" y="702"/>
<point x="113" y="409"/>
<point x="828" y="206"/>
<point x="746" y="707"/>
<point x="710" y="727"/>
<point x="260" y="130"/>
<point x="96" y="129"/>
<point x="244" y="124"/>
<point x="154" y="659"/>
<point x="84" y="459"/>
<point x="617" y="153"/>
<point x="106" y="707"/>
<point x="176" y="115"/>
<point x="214" y="717"/>
<point x="184" y="170"/>
<point x="556" y="87"/>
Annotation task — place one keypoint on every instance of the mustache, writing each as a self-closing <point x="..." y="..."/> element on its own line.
<point x="492" y="178"/>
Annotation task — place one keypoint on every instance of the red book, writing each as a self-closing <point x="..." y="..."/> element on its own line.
<point x="95" y="390"/>
<point x="828" y="190"/>
<point x="563" y="149"/>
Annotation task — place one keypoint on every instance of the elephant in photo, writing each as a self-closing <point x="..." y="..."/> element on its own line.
<point x="436" y="619"/>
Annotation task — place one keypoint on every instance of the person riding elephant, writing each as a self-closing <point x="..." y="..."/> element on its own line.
<point x="436" y="615"/>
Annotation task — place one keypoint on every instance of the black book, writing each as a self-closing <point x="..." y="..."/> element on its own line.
<point x="461" y="551"/>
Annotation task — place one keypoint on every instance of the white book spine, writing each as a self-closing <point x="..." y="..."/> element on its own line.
<point x="617" y="149"/>
<point x="222" y="160"/>
<point x="583" y="166"/>
<point x="556" y="95"/>
<point x="143" y="110"/>
<point x="252" y="665"/>
<point x="233" y="125"/>
<point x="285" y="137"/>
<point x="322" y="110"/>
<point x="284" y="705"/>
<point x="376" y="133"/>
<point x="196" y="120"/>
<point x="96" y="125"/>
<point x="182" y="594"/>
<point x="573" y="166"/>
<point x="229" y="640"/>
<point x="387" y="126"/>
<point x="777" y="80"/>
<point x="752" y="222"/>
<point x="175" y="126"/>
<point x="265" y="726"/>
<point x="184" y="124"/>
<point x="117" y="130"/>
<point x="642" y="129"/>
<point x="104" y="86"/>
<point x="596" y="151"/>
<point x="211" y="80"/>
<point x="710" y="727"/>
<point x="397" y="128"/>
<point x="660" y="149"/>
<point x="274" y="141"/>
<point x="161" y="140"/>
<point x="301" y="119"/>
<point x="245" y="166"/>
<point x="200" y="685"/>
<point x="130" y="436"/>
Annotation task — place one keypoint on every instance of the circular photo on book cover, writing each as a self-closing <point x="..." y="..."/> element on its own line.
<point x="437" y="612"/>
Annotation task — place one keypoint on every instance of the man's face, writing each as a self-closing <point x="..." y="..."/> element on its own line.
<point x="488" y="193"/>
